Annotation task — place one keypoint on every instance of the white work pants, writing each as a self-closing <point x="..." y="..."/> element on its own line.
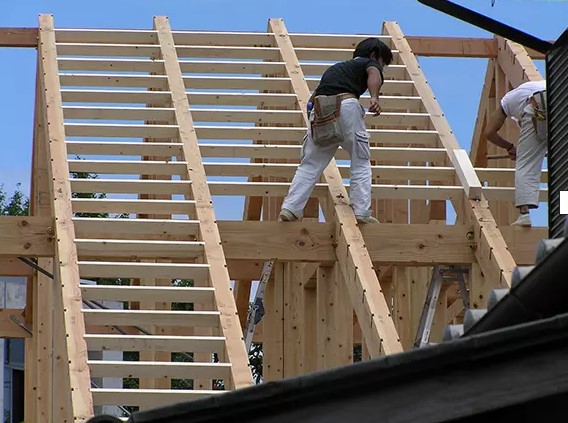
<point x="531" y="150"/>
<point x="314" y="160"/>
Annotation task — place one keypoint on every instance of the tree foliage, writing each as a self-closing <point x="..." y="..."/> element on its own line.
<point x="18" y="204"/>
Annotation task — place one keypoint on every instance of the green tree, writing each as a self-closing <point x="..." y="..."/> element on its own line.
<point x="18" y="204"/>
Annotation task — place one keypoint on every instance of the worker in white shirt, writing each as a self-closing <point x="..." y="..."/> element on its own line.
<point x="337" y="119"/>
<point x="526" y="105"/>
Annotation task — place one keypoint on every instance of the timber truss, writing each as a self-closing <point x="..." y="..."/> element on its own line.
<point x="140" y="134"/>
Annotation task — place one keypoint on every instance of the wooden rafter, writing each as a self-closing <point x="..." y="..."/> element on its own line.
<point x="491" y="253"/>
<point x="76" y="383"/>
<point x="352" y="255"/>
<point x="219" y="275"/>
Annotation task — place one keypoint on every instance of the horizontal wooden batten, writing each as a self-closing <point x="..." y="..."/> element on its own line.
<point x="158" y="369"/>
<point x="106" y="205"/>
<point x="147" y="293"/>
<point x="280" y="189"/>
<point x="253" y="151"/>
<point x="152" y="317"/>
<point x="163" y="343"/>
<point x="159" y="82"/>
<point x="444" y="174"/>
<point x="138" y="248"/>
<point x="388" y="103"/>
<point x="230" y="115"/>
<point x="132" y="186"/>
<point x="502" y="175"/>
<point x="143" y="270"/>
<point x="255" y="133"/>
<point x="88" y="227"/>
<point x="128" y="167"/>
<point x="147" y="397"/>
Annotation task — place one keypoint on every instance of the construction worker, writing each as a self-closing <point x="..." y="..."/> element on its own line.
<point x="341" y="125"/>
<point x="526" y="105"/>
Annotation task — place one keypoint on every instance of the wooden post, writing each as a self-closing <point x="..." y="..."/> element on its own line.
<point x="273" y="327"/>
<point x="293" y="322"/>
<point x="334" y="316"/>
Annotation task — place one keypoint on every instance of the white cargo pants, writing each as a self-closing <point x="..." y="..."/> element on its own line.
<point x="314" y="160"/>
<point x="531" y="149"/>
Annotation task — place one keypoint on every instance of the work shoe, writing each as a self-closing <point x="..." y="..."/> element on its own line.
<point x="366" y="219"/>
<point x="523" y="220"/>
<point x="287" y="216"/>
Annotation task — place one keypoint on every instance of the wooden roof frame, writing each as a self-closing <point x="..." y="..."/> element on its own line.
<point x="320" y="263"/>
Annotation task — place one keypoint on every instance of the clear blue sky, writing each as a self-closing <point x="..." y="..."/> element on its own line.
<point x="456" y="82"/>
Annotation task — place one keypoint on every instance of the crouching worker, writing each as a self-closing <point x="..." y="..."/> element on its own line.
<point x="526" y="105"/>
<point x="337" y="119"/>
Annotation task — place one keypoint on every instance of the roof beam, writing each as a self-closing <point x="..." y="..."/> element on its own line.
<point x="353" y="257"/>
<point x="516" y="63"/>
<point x="219" y="276"/>
<point x="492" y="253"/>
<point x="18" y="37"/>
<point x="77" y="383"/>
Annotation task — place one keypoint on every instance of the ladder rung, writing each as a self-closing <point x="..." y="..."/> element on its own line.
<point x="143" y="270"/>
<point x="138" y="248"/>
<point x="130" y="186"/>
<point x="157" y="343"/>
<point x="86" y="227"/>
<point x="147" y="293"/>
<point x="106" y="205"/>
<point x="151" y="317"/>
<point x="147" y="397"/>
<point x="159" y="369"/>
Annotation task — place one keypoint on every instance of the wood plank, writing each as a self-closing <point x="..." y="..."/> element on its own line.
<point x="236" y="353"/>
<point x="76" y="381"/>
<point x="159" y="369"/>
<point x="353" y="258"/>
<point x="253" y="151"/>
<point x="19" y="37"/>
<point x="160" y="98"/>
<point x="502" y="175"/>
<point x="147" y="293"/>
<point x="423" y="192"/>
<point x="147" y="397"/>
<point x="128" y="167"/>
<point x="421" y="173"/>
<point x="85" y="227"/>
<point x="150" y="270"/>
<point x="151" y="317"/>
<point x="159" y="343"/>
<point x="254" y="133"/>
<point x="466" y="174"/>
<point x="132" y="186"/>
<point x="95" y="205"/>
<point x="139" y="248"/>
<point x="26" y="236"/>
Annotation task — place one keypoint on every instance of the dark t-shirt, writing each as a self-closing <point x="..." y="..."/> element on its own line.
<point x="347" y="77"/>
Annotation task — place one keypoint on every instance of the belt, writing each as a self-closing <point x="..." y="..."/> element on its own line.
<point x="345" y="96"/>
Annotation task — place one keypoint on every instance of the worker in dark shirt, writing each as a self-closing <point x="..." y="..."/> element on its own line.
<point x="349" y="80"/>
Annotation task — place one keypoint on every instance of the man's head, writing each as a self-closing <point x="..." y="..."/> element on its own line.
<point x="375" y="49"/>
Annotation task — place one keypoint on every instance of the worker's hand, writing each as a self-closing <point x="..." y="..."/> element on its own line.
<point x="374" y="108"/>
<point x="512" y="152"/>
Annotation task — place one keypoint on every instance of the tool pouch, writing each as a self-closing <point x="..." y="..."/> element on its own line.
<point x="324" y="121"/>
<point x="540" y="117"/>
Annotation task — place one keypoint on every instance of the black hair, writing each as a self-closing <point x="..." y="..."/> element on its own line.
<point x="373" y="45"/>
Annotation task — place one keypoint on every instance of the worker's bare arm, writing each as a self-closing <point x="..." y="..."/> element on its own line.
<point x="374" y="82"/>
<point x="496" y="121"/>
